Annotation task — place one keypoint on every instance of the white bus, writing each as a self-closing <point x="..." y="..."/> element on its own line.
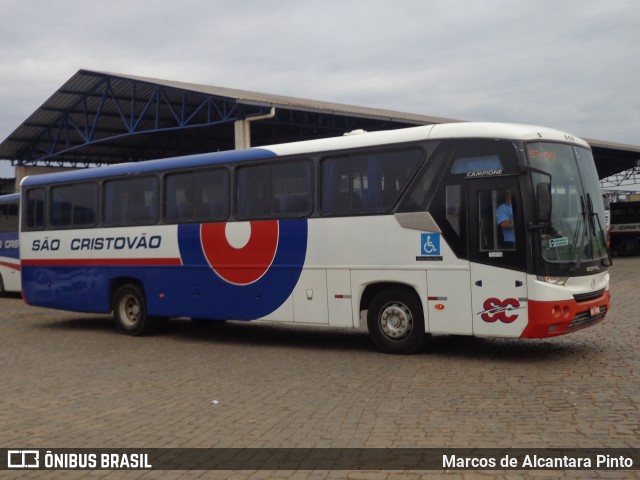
<point x="407" y="231"/>
<point x="9" y="245"/>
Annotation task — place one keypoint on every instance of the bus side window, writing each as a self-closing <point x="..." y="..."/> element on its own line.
<point x="212" y="197"/>
<point x="8" y="217"/>
<point x="35" y="208"/>
<point x="253" y="191"/>
<point x="292" y="188"/>
<point x="131" y="201"/>
<point x="423" y="186"/>
<point x="74" y="205"/>
<point x="178" y="197"/>
<point x="274" y="190"/>
<point x="366" y="182"/>
<point x="448" y="208"/>
<point x="200" y="195"/>
<point x="335" y="186"/>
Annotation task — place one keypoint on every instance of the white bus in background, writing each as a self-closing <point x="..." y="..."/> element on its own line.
<point x="409" y="231"/>
<point x="9" y="244"/>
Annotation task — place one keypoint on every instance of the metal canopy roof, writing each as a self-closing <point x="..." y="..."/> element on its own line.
<point x="97" y="118"/>
<point x="613" y="158"/>
<point x="105" y="118"/>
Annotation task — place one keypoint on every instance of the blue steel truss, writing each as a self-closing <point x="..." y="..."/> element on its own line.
<point x="98" y="118"/>
<point x="116" y="108"/>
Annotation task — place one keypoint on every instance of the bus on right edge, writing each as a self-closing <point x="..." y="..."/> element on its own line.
<point x="625" y="228"/>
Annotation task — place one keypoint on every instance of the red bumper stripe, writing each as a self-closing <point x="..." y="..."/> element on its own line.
<point x="549" y="319"/>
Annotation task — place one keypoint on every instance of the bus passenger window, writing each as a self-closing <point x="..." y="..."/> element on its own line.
<point x="201" y="195"/>
<point x="253" y="192"/>
<point x="292" y="188"/>
<point x="35" y="208"/>
<point x="274" y="190"/>
<point x="178" y="197"/>
<point x="366" y="182"/>
<point x="74" y="205"/>
<point x="131" y="201"/>
<point x="212" y="195"/>
<point x="8" y="217"/>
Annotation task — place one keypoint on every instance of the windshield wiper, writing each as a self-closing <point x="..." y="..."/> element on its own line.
<point x="602" y="242"/>
<point x="578" y="233"/>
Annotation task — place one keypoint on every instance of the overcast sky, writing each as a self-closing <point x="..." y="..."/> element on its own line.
<point x="568" y="64"/>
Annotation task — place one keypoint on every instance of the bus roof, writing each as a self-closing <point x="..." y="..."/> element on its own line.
<point x="11" y="197"/>
<point x="505" y="131"/>
<point x="122" y="169"/>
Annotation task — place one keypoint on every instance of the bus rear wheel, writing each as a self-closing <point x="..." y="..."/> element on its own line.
<point x="627" y="247"/>
<point x="396" y="322"/>
<point x="130" y="311"/>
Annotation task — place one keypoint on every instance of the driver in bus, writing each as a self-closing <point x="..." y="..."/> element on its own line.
<point x="504" y="218"/>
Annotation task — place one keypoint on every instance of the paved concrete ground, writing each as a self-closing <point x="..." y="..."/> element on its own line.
<point x="71" y="380"/>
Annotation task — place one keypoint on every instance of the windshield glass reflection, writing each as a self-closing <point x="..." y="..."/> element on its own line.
<point x="576" y="231"/>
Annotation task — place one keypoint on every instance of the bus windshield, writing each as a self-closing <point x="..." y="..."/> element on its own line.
<point x="577" y="232"/>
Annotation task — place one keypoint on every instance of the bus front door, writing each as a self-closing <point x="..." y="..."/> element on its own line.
<point x="497" y="254"/>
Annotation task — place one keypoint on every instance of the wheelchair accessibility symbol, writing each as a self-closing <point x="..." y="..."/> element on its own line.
<point x="430" y="244"/>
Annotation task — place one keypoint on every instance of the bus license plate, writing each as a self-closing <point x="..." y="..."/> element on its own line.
<point x="595" y="310"/>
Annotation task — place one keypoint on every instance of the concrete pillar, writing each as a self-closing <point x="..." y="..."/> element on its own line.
<point x="242" y="128"/>
<point x="242" y="132"/>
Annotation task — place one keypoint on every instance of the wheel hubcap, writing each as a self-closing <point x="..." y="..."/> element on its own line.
<point x="396" y="321"/>
<point x="130" y="309"/>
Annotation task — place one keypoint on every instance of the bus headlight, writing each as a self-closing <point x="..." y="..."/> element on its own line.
<point x="553" y="280"/>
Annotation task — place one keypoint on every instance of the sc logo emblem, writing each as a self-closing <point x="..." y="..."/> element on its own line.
<point x="499" y="310"/>
<point x="430" y="244"/>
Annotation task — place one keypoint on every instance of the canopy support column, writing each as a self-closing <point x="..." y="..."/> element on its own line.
<point x="242" y="128"/>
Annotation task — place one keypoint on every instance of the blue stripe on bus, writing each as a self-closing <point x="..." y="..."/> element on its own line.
<point x="193" y="289"/>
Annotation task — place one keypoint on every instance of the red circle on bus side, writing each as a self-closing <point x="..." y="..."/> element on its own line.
<point x="240" y="266"/>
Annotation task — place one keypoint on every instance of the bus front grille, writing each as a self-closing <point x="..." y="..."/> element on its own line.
<point x="583" y="319"/>
<point x="585" y="297"/>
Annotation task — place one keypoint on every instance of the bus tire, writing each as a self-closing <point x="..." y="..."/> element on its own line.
<point x="395" y="321"/>
<point x="1" y="287"/>
<point x="627" y="247"/>
<point x="130" y="311"/>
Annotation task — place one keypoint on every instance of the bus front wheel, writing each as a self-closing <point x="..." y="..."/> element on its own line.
<point x="395" y="321"/>
<point x="130" y="311"/>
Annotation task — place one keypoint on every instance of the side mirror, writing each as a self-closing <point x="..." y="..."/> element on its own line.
<point x="543" y="202"/>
